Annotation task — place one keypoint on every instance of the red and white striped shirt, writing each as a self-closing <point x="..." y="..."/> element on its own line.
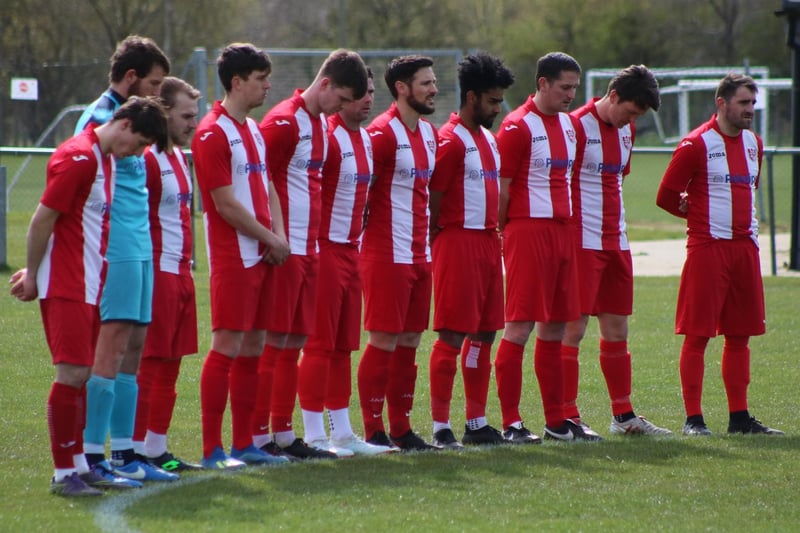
<point x="467" y="166"/>
<point x="397" y="228"/>
<point x="597" y="206"/>
<point x="345" y="182"/>
<point x="537" y="153"/>
<point x="297" y="143"/>
<point x="80" y="181"/>
<point x="720" y="174"/>
<point x="170" y="197"/>
<point x="227" y="153"/>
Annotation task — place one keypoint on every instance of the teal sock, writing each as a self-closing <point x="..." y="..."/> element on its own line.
<point x="123" y="414"/>
<point x="99" y="401"/>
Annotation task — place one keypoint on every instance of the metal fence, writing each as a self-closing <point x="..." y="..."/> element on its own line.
<point x="296" y="68"/>
<point x="22" y="176"/>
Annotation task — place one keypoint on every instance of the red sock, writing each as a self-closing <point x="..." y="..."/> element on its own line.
<point x="148" y="370"/>
<point x="244" y="384"/>
<point x="615" y="362"/>
<point x="373" y="376"/>
<point x="570" y="368"/>
<point x="312" y="379"/>
<point x="214" y="381"/>
<point x="266" y="372"/>
<point x="284" y="390"/>
<point x="736" y="371"/>
<point x="476" y="370"/>
<point x="547" y="364"/>
<point x="163" y="395"/>
<point x="508" y="373"/>
<point x="400" y="389"/>
<point x="62" y="421"/>
<point x="442" y="372"/>
<point x="81" y="418"/>
<point x="340" y="381"/>
<point x="692" y="368"/>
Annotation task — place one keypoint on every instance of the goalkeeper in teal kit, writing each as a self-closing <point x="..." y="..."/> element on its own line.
<point x="138" y="67"/>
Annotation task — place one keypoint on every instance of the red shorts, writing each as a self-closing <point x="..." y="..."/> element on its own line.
<point x="293" y="295"/>
<point x="338" y="317"/>
<point x="467" y="281"/>
<point x="541" y="271"/>
<point x="173" y="331"/>
<point x="239" y="299"/>
<point x="71" y="330"/>
<point x="397" y="297"/>
<point x="721" y="291"/>
<point x="605" y="278"/>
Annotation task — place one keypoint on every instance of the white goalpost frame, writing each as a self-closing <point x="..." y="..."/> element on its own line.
<point x="700" y="79"/>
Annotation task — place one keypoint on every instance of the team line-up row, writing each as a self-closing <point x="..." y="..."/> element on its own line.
<point x="309" y="210"/>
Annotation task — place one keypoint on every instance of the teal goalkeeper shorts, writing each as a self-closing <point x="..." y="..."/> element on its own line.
<point x="128" y="292"/>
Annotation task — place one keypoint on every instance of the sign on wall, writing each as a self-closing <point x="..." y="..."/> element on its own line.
<point x="24" y="89"/>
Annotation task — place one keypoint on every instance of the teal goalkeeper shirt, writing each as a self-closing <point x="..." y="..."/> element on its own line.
<point x="129" y="235"/>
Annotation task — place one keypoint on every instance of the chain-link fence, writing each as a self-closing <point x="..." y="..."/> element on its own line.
<point x="296" y="68"/>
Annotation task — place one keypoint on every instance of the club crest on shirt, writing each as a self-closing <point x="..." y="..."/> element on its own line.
<point x="431" y="146"/>
<point x="752" y="153"/>
<point x="626" y="142"/>
<point x="570" y="135"/>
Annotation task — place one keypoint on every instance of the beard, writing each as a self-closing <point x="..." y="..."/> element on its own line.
<point x="741" y="122"/>
<point x="135" y="88"/>
<point x="419" y="106"/>
<point x="482" y="119"/>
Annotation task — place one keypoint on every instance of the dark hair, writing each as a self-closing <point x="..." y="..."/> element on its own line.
<point x="345" y="68"/>
<point x="147" y="117"/>
<point x="170" y="89"/>
<point x="137" y="53"/>
<point x="551" y="65"/>
<point x="240" y="59"/>
<point x="403" y="69"/>
<point x="636" y="84"/>
<point x="482" y="72"/>
<point x="730" y="84"/>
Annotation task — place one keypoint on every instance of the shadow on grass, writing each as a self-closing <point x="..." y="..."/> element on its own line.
<point x="513" y="463"/>
<point x="414" y="484"/>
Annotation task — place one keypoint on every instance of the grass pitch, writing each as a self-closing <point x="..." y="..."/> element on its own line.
<point x="720" y="483"/>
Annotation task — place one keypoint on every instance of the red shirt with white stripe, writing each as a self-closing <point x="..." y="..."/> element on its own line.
<point x="345" y="182"/>
<point x="397" y="227"/>
<point x="720" y="173"/>
<point x="170" y="198"/>
<point x="297" y="144"/>
<point x="227" y="153"/>
<point x="80" y="181"/>
<point x="467" y="165"/>
<point x="597" y="206"/>
<point x="537" y="153"/>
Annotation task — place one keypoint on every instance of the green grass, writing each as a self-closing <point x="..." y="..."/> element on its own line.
<point x="645" y="220"/>
<point x="720" y="483"/>
<point x="676" y="484"/>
